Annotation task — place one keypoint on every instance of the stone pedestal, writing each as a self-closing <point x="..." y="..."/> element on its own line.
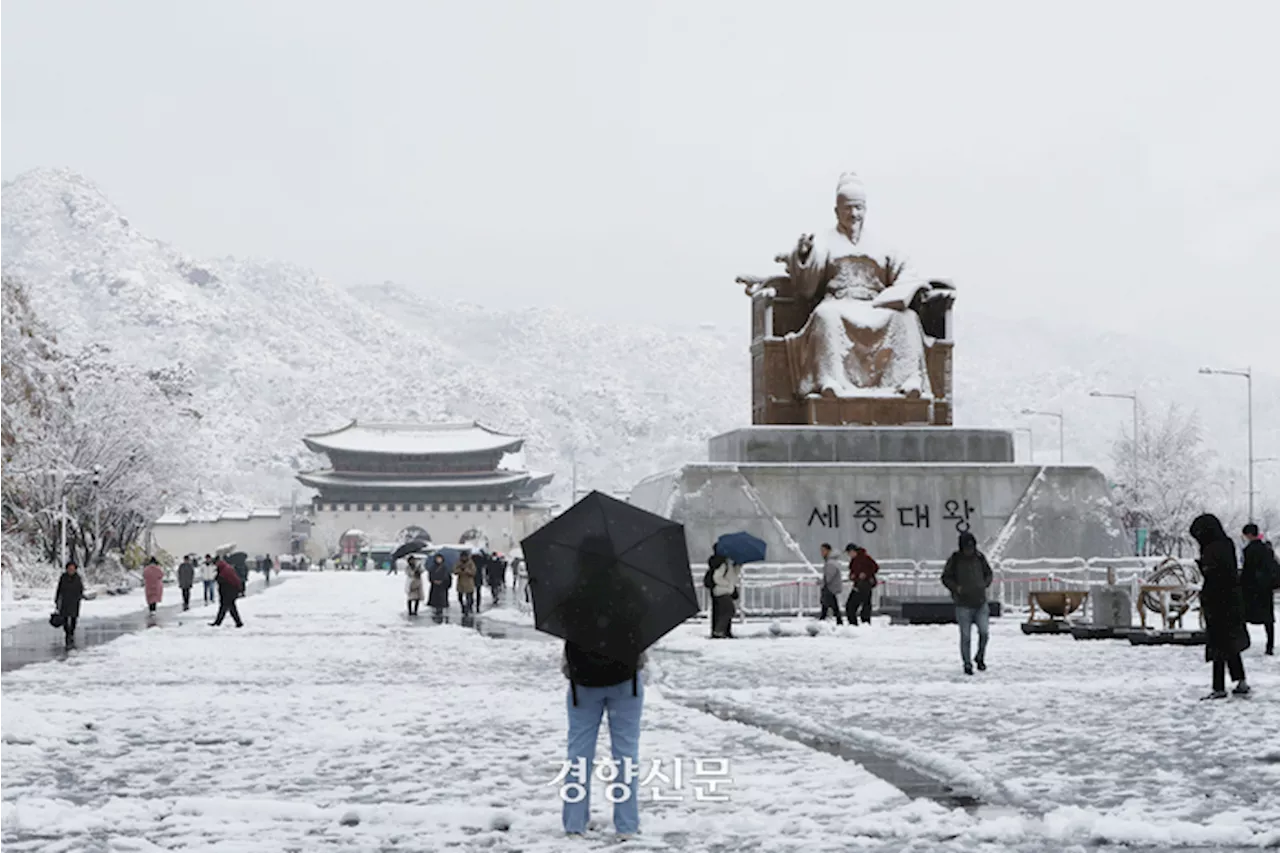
<point x="1112" y="607"/>
<point x="904" y="493"/>
<point x="862" y="444"/>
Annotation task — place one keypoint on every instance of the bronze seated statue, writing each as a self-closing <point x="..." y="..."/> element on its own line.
<point x="846" y="336"/>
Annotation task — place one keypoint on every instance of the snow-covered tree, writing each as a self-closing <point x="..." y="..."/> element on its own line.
<point x="108" y="440"/>
<point x="31" y="365"/>
<point x="1171" y="484"/>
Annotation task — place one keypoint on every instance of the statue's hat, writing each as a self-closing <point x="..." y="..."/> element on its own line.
<point x="850" y="187"/>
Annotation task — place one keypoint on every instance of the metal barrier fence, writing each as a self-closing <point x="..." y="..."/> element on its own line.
<point x="793" y="589"/>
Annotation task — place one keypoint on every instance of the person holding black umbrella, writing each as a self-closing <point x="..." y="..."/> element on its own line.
<point x="600" y="683"/>
<point x="611" y="580"/>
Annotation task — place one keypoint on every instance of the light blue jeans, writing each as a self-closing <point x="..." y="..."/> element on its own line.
<point x="624" y="734"/>
<point x="967" y="617"/>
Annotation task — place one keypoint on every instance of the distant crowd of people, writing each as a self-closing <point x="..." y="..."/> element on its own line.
<point x="432" y="580"/>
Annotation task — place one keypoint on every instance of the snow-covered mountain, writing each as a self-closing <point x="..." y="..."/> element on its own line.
<point x="272" y="351"/>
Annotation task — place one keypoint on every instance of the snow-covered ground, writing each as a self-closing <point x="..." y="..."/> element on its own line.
<point x="329" y="704"/>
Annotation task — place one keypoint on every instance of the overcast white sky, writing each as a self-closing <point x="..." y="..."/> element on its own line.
<point x="1107" y="164"/>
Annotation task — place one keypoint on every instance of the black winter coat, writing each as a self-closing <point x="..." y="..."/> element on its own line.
<point x="439" y="580"/>
<point x="1221" y="601"/>
<point x="1257" y="578"/>
<point x="69" y="595"/>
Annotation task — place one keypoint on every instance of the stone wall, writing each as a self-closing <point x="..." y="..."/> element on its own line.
<point x="861" y="444"/>
<point x="896" y="511"/>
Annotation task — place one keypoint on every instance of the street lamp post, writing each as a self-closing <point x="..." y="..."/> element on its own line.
<point x="1247" y="373"/>
<point x="1062" y="456"/>
<point x="1134" y="399"/>
<point x="1031" y="441"/>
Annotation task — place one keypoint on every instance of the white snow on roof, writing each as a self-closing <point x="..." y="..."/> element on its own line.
<point x="329" y="478"/>
<point x="413" y="439"/>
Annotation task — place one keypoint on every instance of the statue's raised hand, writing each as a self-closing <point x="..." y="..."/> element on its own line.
<point x="803" y="247"/>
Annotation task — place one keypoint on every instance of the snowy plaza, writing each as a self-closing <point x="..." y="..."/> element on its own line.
<point x="539" y="427"/>
<point x="332" y="721"/>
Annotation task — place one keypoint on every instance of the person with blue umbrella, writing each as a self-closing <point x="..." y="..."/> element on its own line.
<point x="731" y="551"/>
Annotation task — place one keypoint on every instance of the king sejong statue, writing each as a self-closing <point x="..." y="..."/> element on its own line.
<point x="863" y="336"/>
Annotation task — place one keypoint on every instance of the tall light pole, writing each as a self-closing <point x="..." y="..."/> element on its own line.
<point x="1062" y="456"/>
<point x="1134" y="399"/>
<point x="1247" y="373"/>
<point x="1031" y="441"/>
<point x="97" y="509"/>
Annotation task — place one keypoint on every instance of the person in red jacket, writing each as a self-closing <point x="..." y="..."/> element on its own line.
<point x="229" y="588"/>
<point x="862" y="574"/>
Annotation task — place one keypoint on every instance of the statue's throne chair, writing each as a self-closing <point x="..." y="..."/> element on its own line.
<point x="773" y="389"/>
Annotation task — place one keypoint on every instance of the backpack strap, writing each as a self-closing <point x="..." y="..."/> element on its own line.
<point x="635" y="680"/>
<point x="573" y="689"/>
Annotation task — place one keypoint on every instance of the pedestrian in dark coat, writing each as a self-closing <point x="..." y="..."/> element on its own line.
<point x="1222" y="605"/>
<point x="438" y="578"/>
<point x="230" y="587"/>
<point x="862" y="574"/>
<point x="67" y="600"/>
<point x="967" y="575"/>
<point x="186" y="579"/>
<point x="1259" y="579"/>
<point x="496" y="575"/>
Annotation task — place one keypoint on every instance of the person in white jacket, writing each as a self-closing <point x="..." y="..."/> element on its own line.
<point x="209" y="578"/>
<point x="726" y="579"/>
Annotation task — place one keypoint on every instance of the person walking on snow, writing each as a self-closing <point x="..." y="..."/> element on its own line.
<point x="466" y="572"/>
<point x="438" y="593"/>
<point x="726" y="578"/>
<point x="230" y="587"/>
<point x="186" y="578"/>
<point x="208" y="577"/>
<point x="266" y="569"/>
<point x="496" y="576"/>
<point x="862" y="574"/>
<point x="153" y="581"/>
<point x="413" y="585"/>
<point x="1259" y="580"/>
<point x="67" y="600"/>
<point x="967" y="575"/>
<point x="832" y="583"/>
<point x="1226" y="634"/>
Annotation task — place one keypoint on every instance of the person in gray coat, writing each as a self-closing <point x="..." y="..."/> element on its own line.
<point x="186" y="579"/>
<point x="832" y="583"/>
<point x="967" y="575"/>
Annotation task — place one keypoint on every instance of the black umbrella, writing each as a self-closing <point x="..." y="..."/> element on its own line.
<point x="414" y="547"/>
<point x="609" y="577"/>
